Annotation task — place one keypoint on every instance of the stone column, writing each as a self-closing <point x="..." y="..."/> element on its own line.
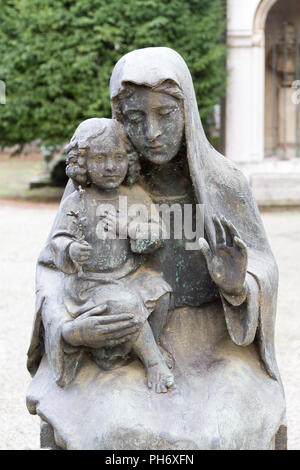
<point x="245" y="90"/>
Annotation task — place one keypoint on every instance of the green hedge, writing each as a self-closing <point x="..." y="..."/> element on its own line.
<point x="57" y="57"/>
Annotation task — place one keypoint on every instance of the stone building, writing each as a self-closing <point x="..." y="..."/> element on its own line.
<point x="262" y="117"/>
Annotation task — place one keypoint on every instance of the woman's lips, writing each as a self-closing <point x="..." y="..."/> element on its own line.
<point x="155" y="147"/>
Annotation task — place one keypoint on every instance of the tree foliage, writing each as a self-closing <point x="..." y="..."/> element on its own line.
<point x="57" y="57"/>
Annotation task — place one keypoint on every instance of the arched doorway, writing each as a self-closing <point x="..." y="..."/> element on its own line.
<point x="246" y="79"/>
<point x="254" y="106"/>
<point x="262" y="11"/>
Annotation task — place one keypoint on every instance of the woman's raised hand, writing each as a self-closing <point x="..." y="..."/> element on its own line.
<point x="95" y="330"/>
<point x="228" y="265"/>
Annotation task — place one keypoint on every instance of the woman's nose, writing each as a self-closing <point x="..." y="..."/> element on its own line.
<point x="153" y="131"/>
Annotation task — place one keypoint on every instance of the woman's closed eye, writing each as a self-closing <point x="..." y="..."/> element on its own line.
<point x="135" y="117"/>
<point x="165" y="112"/>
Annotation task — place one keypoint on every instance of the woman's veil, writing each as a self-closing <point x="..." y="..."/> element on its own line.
<point x="218" y="185"/>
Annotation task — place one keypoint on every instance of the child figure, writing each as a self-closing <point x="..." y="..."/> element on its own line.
<point x="104" y="266"/>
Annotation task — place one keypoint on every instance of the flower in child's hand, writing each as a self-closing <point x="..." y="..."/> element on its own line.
<point x="73" y="214"/>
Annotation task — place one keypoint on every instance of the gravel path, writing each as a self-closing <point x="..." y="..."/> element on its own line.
<point x="23" y="231"/>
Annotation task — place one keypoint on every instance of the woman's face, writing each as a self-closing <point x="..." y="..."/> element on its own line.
<point x="154" y="122"/>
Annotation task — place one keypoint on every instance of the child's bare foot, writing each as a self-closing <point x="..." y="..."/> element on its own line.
<point x="168" y="358"/>
<point x="159" y="377"/>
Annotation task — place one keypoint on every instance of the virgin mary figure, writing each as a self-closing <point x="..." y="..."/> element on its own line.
<point x="228" y="392"/>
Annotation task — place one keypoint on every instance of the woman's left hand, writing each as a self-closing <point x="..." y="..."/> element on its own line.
<point x="228" y="265"/>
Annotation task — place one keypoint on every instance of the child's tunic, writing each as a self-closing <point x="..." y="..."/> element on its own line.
<point x="113" y="274"/>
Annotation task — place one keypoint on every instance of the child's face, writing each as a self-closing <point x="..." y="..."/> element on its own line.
<point x="108" y="166"/>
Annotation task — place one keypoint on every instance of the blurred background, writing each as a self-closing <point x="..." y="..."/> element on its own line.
<point x="56" y="57"/>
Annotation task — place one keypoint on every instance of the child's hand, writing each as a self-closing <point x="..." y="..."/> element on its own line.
<point x="79" y="251"/>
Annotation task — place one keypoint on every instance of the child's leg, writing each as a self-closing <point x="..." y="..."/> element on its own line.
<point x="157" y="321"/>
<point x="159" y="316"/>
<point x="159" y="377"/>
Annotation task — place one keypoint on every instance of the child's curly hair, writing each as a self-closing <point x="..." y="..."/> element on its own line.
<point x="82" y="141"/>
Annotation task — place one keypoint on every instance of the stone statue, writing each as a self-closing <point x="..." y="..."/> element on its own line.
<point x="209" y="312"/>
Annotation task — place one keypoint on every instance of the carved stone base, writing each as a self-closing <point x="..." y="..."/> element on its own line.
<point x="120" y="412"/>
<point x="47" y="439"/>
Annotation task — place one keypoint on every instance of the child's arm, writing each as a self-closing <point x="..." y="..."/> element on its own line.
<point x="67" y="248"/>
<point x="145" y="237"/>
<point x="141" y="223"/>
<point x="146" y="232"/>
